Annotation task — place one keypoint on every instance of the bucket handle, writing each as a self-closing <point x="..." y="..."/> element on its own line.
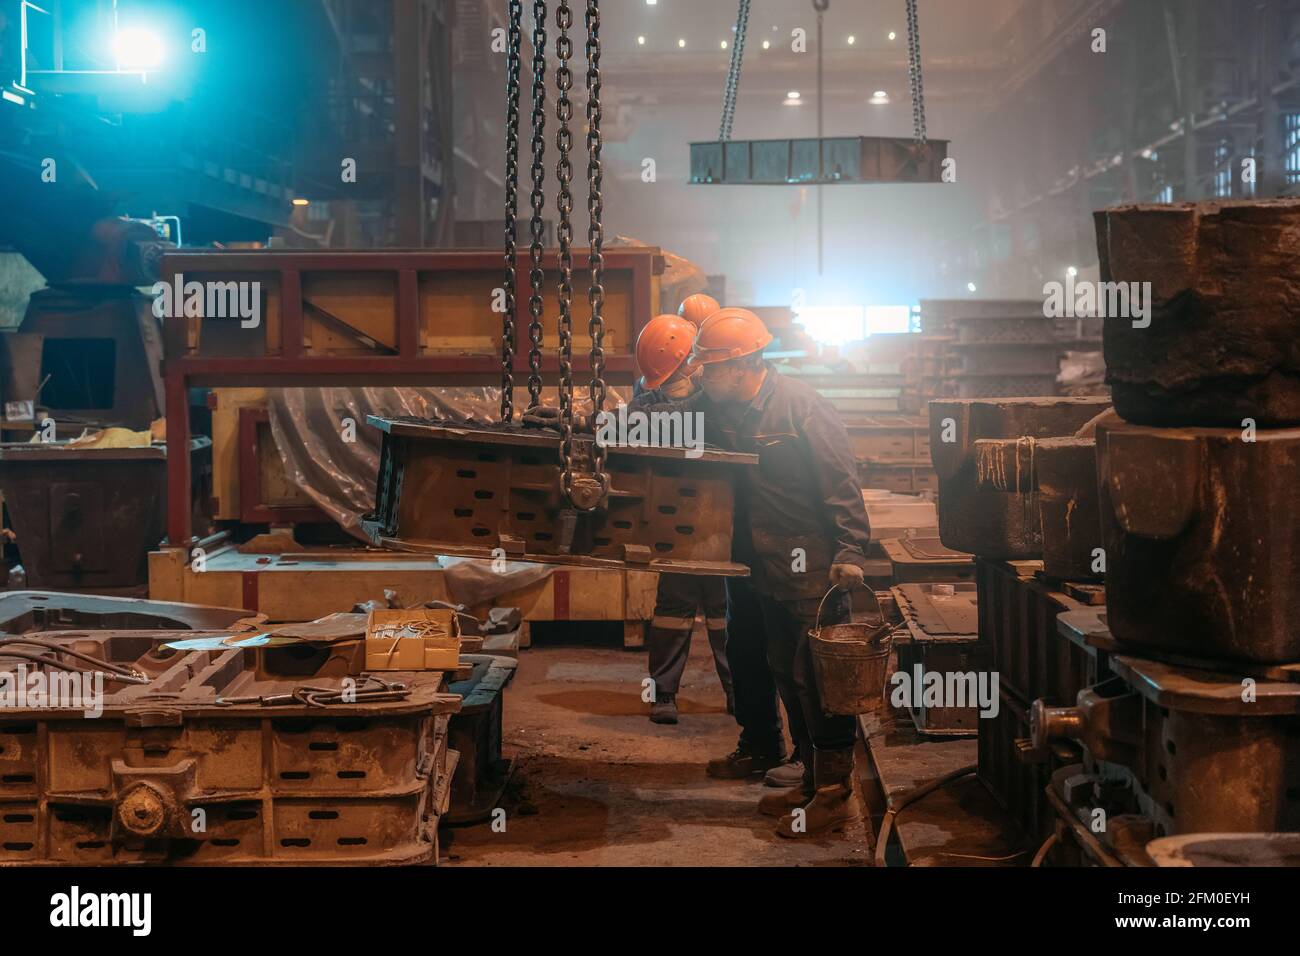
<point x="817" y="623"/>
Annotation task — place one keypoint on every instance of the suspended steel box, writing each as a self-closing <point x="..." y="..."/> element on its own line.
<point x="477" y="491"/>
<point x="836" y="159"/>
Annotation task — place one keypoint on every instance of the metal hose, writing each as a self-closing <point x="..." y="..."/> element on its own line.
<point x="906" y="800"/>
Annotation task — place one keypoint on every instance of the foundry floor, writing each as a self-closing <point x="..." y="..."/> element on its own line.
<point x="599" y="784"/>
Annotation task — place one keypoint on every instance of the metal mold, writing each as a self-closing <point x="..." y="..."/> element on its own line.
<point x="469" y="490"/>
<point x="1219" y="346"/>
<point x="24" y="611"/>
<point x="225" y="757"/>
<point x="1069" y="512"/>
<point x="476" y="731"/>
<point x="1182" y="748"/>
<point x="1202" y="536"/>
<point x="940" y="635"/>
<point x="987" y="502"/>
<point x="87" y="518"/>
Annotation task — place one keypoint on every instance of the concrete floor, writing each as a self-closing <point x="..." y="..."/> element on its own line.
<point x="599" y="785"/>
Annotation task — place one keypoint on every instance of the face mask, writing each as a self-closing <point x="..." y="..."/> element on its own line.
<point x="679" y="388"/>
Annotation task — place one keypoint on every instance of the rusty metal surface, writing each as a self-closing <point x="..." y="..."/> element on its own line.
<point x="1087" y="627"/>
<point x="933" y="615"/>
<point x="1018" y="614"/>
<point x="1202" y="538"/>
<point x="476" y="733"/>
<point x="987" y="502"/>
<point x="1226" y="849"/>
<point x="24" y="611"/>
<point x="940" y="636"/>
<point x="1075" y="794"/>
<point x="1182" y="748"/>
<point x="87" y="518"/>
<point x="1220" y="346"/>
<point x="924" y="558"/>
<point x="218" y="757"/>
<point x="1066" y="472"/>
<point x="467" y="490"/>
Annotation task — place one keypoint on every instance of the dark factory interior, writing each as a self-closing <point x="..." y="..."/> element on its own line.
<point x="446" y="439"/>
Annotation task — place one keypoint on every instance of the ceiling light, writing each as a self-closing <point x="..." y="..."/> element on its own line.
<point x="1072" y="272"/>
<point x="852" y="39"/>
<point x="767" y="44"/>
<point x="299" y="201"/>
<point x="892" y="35"/>
<point x="640" y="41"/>
<point x="879" y="98"/>
<point x="724" y="44"/>
<point x="792" y="95"/>
<point x="681" y="43"/>
<point x="970" y="286"/>
<point x="651" y="3"/>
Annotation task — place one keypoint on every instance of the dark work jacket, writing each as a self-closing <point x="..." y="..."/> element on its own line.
<point x="803" y="494"/>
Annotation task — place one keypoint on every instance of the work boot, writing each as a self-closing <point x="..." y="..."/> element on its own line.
<point x="780" y="802"/>
<point x="834" y="804"/>
<point x="789" y="774"/>
<point x="664" y="709"/>
<point x="743" y="763"/>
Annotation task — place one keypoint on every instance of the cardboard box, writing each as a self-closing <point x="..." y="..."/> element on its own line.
<point x="418" y="639"/>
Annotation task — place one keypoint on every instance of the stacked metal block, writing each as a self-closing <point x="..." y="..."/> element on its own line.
<point x="1198" y="485"/>
<point x="991" y="347"/>
<point x="1003" y="497"/>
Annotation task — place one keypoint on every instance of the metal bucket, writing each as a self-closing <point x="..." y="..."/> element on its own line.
<point x="851" y="662"/>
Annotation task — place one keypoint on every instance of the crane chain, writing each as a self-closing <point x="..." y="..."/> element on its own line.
<point x="733" y="72"/>
<point x="564" y="237"/>
<point x="537" y="198"/>
<point x="596" y="237"/>
<point x="516" y="14"/>
<point x="914" y="73"/>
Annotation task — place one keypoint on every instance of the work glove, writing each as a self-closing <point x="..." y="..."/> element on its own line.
<point x="847" y="576"/>
<point x="548" y="416"/>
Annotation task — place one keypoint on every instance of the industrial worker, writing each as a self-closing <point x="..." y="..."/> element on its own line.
<point x="696" y="308"/>
<point x="801" y="527"/>
<point x="662" y="350"/>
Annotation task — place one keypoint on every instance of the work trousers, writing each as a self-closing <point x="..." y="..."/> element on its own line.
<point x="769" y="652"/>
<point x="678" y="599"/>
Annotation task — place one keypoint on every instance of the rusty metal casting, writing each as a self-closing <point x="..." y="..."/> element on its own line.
<point x="1218" y="342"/>
<point x="984" y="451"/>
<point x="460" y="489"/>
<point x="192" y="767"/>
<point x="1202" y="534"/>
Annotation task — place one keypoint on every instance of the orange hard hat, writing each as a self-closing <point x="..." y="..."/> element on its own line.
<point x="696" y="308"/>
<point x="661" y="348"/>
<point x="730" y="334"/>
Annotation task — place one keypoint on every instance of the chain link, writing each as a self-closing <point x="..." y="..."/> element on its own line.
<point x="516" y="12"/>
<point x="914" y="73"/>
<point x="537" y="199"/>
<point x="733" y="72"/>
<point x="564" y="236"/>
<point x="596" y="236"/>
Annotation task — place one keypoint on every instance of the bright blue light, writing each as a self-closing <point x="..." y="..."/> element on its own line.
<point x="137" y="49"/>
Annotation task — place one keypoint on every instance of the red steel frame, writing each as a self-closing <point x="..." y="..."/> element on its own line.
<point x="252" y="509"/>
<point x="293" y="366"/>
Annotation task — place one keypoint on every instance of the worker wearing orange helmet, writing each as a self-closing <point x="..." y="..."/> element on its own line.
<point x="800" y="526"/>
<point x="662" y="352"/>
